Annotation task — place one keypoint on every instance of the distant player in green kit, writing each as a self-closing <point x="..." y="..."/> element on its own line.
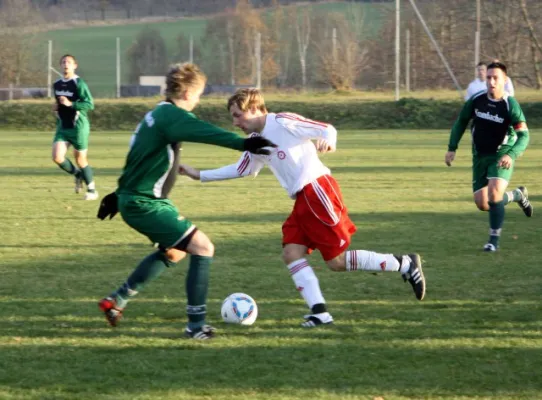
<point x="73" y="101"/>
<point x="499" y="136"/>
<point x="141" y="197"/>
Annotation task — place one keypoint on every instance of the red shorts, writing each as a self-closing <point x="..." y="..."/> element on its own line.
<point x="319" y="219"/>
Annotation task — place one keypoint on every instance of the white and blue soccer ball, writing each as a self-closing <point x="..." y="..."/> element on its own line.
<point x="239" y="308"/>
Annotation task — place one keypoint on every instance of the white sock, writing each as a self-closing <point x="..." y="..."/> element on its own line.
<point x="357" y="260"/>
<point x="91" y="186"/>
<point x="510" y="196"/>
<point x="306" y="282"/>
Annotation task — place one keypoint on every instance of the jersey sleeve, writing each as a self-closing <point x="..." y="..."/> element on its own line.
<point x="460" y="125"/>
<point x="188" y="128"/>
<point x="85" y="102"/>
<point x="248" y="164"/>
<point x="306" y="128"/>
<point x="519" y="124"/>
<point x="509" y="87"/>
<point x="469" y="93"/>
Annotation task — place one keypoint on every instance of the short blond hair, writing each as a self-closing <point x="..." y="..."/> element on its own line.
<point x="247" y="99"/>
<point x="182" y="77"/>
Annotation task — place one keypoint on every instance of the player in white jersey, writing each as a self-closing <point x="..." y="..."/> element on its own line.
<point x="319" y="219"/>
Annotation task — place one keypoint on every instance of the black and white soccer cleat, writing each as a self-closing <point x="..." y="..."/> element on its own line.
<point x="414" y="275"/>
<point x="524" y="203"/>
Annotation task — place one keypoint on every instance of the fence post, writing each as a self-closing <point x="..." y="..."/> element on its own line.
<point x="258" y="60"/>
<point x="49" y="66"/>
<point x="118" y="67"/>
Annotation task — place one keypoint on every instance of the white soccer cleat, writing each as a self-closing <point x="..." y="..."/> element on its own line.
<point x="91" y="196"/>
<point x="312" y="320"/>
<point x="489" y="247"/>
<point x="78" y="184"/>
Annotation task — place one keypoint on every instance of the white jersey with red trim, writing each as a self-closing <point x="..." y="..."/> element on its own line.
<point x="294" y="162"/>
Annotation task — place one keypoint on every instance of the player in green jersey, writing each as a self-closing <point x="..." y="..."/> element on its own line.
<point x="141" y="197"/>
<point x="73" y="101"/>
<point x="499" y="136"/>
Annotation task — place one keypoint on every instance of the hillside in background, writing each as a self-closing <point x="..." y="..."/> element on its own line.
<point x="95" y="46"/>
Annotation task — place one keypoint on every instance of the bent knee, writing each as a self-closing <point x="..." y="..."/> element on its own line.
<point x="174" y="255"/>
<point x="335" y="266"/>
<point x="209" y="249"/>
<point x="290" y="255"/>
<point x="482" y="206"/>
<point x="58" y="160"/>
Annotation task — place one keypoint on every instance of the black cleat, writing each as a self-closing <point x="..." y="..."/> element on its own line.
<point x="524" y="203"/>
<point x="415" y="275"/>
<point x="203" y="333"/>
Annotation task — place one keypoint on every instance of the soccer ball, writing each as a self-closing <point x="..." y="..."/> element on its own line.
<point x="239" y="308"/>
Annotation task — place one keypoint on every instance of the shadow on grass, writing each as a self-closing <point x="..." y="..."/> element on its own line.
<point x="353" y="367"/>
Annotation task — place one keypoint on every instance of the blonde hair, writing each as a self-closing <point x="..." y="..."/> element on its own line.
<point x="247" y="99"/>
<point x="182" y="77"/>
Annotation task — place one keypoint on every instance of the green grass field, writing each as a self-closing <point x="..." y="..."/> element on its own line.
<point x="95" y="46"/>
<point x="476" y="336"/>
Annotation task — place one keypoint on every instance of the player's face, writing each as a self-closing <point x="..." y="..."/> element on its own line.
<point x="68" y="65"/>
<point x="247" y="121"/>
<point x="193" y="96"/>
<point x="495" y="82"/>
<point x="482" y="72"/>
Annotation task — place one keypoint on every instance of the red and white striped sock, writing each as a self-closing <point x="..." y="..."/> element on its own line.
<point x="362" y="260"/>
<point x="306" y="282"/>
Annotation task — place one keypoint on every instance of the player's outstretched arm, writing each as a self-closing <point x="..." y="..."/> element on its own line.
<point x="458" y="130"/>
<point x="191" y="129"/>
<point x="189" y="171"/>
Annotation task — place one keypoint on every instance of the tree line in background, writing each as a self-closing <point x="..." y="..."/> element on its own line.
<point x="301" y="47"/>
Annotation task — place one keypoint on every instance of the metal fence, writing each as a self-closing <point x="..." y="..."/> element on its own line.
<point x="401" y="45"/>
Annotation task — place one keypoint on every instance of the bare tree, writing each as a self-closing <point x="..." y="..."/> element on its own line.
<point x="303" y="34"/>
<point x="340" y="56"/>
<point x="19" y="22"/>
<point x="536" y="48"/>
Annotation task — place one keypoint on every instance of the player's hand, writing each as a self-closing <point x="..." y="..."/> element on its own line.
<point x="187" y="170"/>
<point x="55" y="107"/>
<point x="322" y="146"/>
<point x="449" y="157"/>
<point x="256" y="145"/>
<point x="108" y="206"/>
<point x="505" y="162"/>
<point x="64" y="101"/>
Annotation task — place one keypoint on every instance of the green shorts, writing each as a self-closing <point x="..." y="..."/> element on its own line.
<point x="77" y="137"/>
<point x="485" y="168"/>
<point x="158" y="219"/>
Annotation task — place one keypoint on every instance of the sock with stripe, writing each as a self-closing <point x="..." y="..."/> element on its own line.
<point x="307" y="284"/>
<point x="88" y="177"/>
<point x="513" y="195"/>
<point x="496" y="220"/>
<point x="363" y="260"/>
<point x="197" y="283"/>
<point x="150" y="268"/>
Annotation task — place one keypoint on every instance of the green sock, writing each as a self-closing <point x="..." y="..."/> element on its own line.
<point x="197" y="282"/>
<point x="496" y="220"/>
<point x="68" y="166"/>
<point x="150" y="268"/>
<point x="513" y="195"/>
<point x="88" y="177"/>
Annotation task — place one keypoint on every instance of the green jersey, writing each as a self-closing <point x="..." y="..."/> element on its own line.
<point x="498" y="126"/>
<point x="151" y="164"/>
<point x="76" y="91"/>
